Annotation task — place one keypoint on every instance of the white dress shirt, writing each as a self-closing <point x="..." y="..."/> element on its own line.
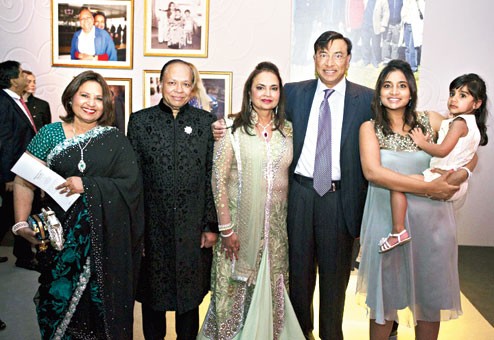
<point x="305" y="165"/>
<point x="85" y="42"/>
<point x="17" y="99"/>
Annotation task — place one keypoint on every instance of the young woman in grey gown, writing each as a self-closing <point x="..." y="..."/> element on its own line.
<point x="416" y="284"/>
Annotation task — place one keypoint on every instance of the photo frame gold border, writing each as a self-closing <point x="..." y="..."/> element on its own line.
<point x="129" y="53"/>
<point x="127" y="83"/>
<point x="148" y="21"/>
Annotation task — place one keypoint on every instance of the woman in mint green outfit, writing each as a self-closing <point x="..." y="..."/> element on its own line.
<point x="249" y="279"/>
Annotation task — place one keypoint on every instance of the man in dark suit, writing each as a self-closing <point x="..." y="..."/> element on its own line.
<point x="16" y="131"/>
<point x="174" y="148"/>
<point x="40" y="109"/>
<point x="323" y="227"/>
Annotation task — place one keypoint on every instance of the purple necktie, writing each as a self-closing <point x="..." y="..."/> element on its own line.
<point x="322" y="164"/>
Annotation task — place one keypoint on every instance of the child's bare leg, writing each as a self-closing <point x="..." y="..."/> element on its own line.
<point x="398" y="211"/>
<point x="399" y="234"/>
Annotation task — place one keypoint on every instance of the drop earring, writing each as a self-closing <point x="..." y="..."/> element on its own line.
<point x="253" y="114"/>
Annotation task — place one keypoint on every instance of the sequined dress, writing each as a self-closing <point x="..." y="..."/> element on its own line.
<point x="87" y="289"/>
<point x="419" y="280"/>
<point x="249" y="296"/>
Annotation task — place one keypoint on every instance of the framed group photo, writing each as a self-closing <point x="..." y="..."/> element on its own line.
<point x="176" y="28"/>
<point x="93" y="34"/>
<point x="121" y="90"/>
<point x="218" y="87"/>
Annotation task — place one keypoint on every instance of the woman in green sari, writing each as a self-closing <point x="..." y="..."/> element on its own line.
<point x="87" y="288"/>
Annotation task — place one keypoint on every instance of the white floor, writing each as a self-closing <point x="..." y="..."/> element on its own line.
<point x="470" y="326"/>
<point x="17" y="288"/>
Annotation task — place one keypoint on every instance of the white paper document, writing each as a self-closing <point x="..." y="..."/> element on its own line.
<point x="44" y="178"/>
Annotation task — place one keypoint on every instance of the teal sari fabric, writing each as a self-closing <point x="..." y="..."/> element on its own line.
<point x="87" y="289"/>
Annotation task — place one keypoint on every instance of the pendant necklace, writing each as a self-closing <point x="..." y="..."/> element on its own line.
<point x="264" y="131"/>
<point x="81" y="165"/>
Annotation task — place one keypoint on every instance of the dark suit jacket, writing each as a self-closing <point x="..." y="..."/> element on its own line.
<point x="40" y="110"/>
<point x="16" y="132"/>
<point x="357" y="109"/>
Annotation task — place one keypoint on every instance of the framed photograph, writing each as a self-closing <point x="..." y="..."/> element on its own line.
<point x="176" y="28"/>
<point x="93" y="34"/>
<point x="121" y="89"/>
<point x="218" y="86"/>
<point x="152" y="88"/>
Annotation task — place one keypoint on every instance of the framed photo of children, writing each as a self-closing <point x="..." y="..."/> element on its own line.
<point x="176" y="28"/>
<point x="121" y="90"/>
<point x="218" y="87"/>
<point x="93" y="34"/>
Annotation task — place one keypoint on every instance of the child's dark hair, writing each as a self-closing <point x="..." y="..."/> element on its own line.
<point x="476" y="87"/>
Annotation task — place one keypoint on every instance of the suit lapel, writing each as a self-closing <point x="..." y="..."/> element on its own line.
<point x="18" y="110"/>
<point x="349" y="116"/>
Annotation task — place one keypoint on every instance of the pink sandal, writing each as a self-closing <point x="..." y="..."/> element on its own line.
<point x="402" y="238"/>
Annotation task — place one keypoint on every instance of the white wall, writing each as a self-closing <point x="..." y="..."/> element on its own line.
<point x="457" y="39"/>
<point x="241" y="34"/>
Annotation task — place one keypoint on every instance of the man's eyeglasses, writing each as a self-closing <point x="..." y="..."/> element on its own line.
<point x="336" y="57"/>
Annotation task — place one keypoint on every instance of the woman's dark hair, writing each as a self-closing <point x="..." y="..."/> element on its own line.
<point x="108" y="115"/>
<point x="244" y="118"/>
<point x="476" y="86"/>
<point x="168" y="11"/>
<point x="100" y="13"/>
<point x="328" y="36"/>
<point x="8" y="70"/>
<point x="410" y="116"/>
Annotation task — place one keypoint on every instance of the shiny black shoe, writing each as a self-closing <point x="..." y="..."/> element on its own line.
<point x="3" y="259"/>
<point x="27" y="264"/>
<point x="2" y="325"/>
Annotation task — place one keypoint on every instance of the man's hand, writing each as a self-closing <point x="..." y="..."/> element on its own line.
<point x="9" y="186"/>
<point x="219" y="129"/>
<point x="208" y="239"/>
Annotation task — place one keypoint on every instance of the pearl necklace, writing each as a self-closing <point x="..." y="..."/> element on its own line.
<point x="264" y="131"/>
<point x="81" y="165"/>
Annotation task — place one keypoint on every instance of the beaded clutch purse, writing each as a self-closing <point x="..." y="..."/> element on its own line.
<point x="47" y="228"/>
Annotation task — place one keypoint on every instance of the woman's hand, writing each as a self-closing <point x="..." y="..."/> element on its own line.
<point x="441" y="189"/>
<point x="29" y="235"/>
<point x="231" y="246"/>
<point x="72" y="185"/>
